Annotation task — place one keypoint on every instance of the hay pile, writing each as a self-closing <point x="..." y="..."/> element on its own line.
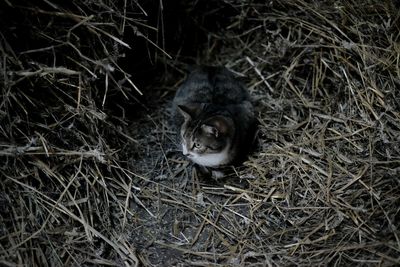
<point x="90" y="177"/>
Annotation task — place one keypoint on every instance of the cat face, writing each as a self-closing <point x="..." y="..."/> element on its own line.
<point x="205" y="141"/>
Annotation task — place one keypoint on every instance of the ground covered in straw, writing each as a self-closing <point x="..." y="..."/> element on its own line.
<point x="90" y="171"/>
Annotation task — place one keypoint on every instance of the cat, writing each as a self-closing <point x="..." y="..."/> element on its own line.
<point x="214" y="117"/>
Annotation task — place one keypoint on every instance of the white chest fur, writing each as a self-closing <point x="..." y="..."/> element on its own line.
<point x="211" y="160"/>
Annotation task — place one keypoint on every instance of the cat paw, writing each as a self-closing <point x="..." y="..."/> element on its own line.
<point x="217" y="174"/>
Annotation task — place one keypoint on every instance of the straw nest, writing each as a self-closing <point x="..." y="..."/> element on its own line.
<point x="90" y="173"/>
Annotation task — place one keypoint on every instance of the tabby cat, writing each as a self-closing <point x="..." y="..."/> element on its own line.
<point x="215" y="118"/>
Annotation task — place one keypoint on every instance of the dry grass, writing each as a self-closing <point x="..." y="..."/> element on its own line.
<point x="84" y="183"/>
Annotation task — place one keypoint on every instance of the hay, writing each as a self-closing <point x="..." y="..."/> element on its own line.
<point x="89" y="178"/>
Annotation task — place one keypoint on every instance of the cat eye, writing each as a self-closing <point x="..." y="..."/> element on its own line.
<point x="197" y="145"/>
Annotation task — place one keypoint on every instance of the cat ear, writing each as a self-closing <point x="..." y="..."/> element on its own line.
<point x="218" y="125"/>
<point x="189" y="111"/>
<point x="210" y="130"/>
